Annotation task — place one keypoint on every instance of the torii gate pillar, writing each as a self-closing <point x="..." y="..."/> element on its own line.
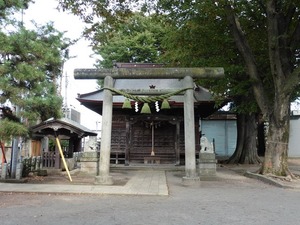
<point x="104" y="176"/>
<point x="189" y="133"/>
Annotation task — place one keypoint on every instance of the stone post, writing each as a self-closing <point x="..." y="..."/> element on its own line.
<point x="14" y="157"/>
<point x="38" y="163"/>
<point x="189" y="133"/>
<point x="4" y="171"/>
<point x="207" y="165"/>
<point x="19" y="171"/>
<point x="104" y="176"/>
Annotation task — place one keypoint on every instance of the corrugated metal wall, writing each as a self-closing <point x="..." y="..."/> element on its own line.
<point x="223" y="132"/>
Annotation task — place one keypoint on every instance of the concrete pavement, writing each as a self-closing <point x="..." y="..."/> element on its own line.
<point x="144" y="181"/>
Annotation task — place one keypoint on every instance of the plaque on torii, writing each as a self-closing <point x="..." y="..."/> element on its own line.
<point x="186" y="74"/>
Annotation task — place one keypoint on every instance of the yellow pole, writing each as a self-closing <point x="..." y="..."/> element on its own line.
<point x="63" y="158"/>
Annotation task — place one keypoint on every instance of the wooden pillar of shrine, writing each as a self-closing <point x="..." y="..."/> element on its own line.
<point x="177" y="141"/>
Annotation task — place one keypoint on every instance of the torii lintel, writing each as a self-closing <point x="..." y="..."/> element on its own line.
<point x="150" y="73"/>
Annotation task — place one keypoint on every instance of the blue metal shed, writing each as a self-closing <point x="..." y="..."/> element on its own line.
<point x="221" y="129"/>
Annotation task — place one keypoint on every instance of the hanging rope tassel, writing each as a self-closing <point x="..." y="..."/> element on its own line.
<point x="146" y="109"/>
<point x="165" y="104"/>
<point x="126" y="104"/>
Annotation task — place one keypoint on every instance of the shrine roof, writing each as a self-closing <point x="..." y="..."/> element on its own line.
<point x="202" y="97"/>
<point x="63" y="126"/>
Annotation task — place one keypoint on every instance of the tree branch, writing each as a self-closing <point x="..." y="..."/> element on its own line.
<point x="293" y="81"/>
<point x="248" y="57"/>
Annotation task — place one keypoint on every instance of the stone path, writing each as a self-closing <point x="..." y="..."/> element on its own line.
<point x="141" y="183"/>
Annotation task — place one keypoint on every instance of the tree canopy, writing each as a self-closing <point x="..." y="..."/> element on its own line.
<point x="30" y="63"/>
<point x="138" y="39"/>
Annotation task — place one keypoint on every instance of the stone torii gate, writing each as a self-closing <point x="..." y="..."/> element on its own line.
<point x="187" y="74"/>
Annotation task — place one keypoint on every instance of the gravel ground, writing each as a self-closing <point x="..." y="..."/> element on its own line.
<point x="120" y="178"/>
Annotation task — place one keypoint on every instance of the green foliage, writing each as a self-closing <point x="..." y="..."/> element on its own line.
<point x="8" y="8"/>
<point x="42" y="107"/>
<point x="30" y="63"/>
<point x="199" y="37"/>
<point x="52" y="144"/>
<point x="137" y="39"/>
<point x="90" y="10"/>
<point x="122" y="34"/>
<point x="10" y="128"/>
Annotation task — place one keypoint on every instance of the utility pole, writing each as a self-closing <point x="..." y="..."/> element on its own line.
<point x="65" y="105"/>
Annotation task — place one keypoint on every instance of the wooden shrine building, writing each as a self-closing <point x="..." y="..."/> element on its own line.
<point x="65" y="129"/>
<point x="137" y="135"/>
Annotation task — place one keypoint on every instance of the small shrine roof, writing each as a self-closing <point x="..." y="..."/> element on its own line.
<point x="63" y="126"/>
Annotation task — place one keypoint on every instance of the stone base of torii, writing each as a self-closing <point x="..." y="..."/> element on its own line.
<point x="187" y="74"/>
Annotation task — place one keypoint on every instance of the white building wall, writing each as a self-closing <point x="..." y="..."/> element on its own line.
<point x="294" y="141"/>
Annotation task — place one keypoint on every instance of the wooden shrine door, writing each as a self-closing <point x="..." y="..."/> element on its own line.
<point x="159" y="136"/>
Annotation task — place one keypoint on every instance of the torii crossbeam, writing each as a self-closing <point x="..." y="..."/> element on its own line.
<point x="149" y="73"/>
<point x="187" y="74"/>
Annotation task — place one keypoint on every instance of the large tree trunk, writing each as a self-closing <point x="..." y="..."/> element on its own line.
<point x="246" y="148"/>
<point x="284" y="81"/>
<point x="276" y="155"/>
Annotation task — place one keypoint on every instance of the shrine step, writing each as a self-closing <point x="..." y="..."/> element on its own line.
<point x="152" y="160"/>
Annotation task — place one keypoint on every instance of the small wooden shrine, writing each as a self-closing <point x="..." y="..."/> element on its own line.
<point x="64" y="129"/>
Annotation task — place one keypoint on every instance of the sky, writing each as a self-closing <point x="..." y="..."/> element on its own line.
<point x="43" y="11"/>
